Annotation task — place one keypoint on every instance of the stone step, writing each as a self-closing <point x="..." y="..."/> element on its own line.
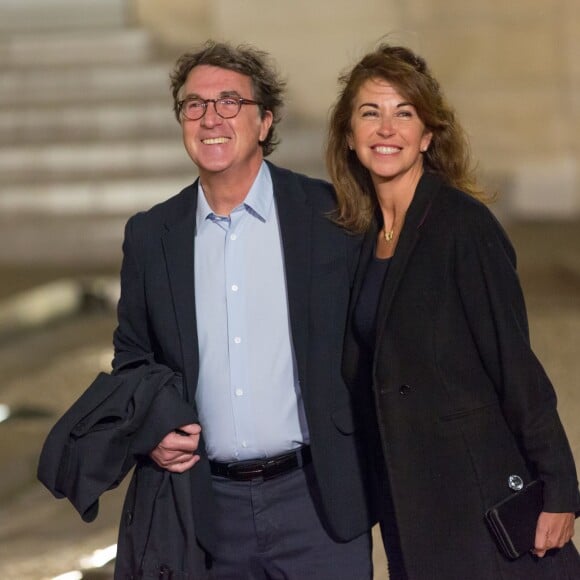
<point x="38" y="15"/>
<point x="105" y="195"/>
<point x="74" y="84"/>
<point x="51" y="240"/>
<point x="92" y="198"/>
<point x="107" y="121"/>
<point x="75" y="47"/>
<point x="72" y="161"/>
<point x="301" y="146"/>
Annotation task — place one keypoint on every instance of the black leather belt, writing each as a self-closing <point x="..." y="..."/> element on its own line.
<point x="262" y="468"/>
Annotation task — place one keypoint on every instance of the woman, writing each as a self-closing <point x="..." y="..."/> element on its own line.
<point x="439" y="330"/>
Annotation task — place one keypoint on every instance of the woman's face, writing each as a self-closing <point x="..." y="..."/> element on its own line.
<point x="387" y="134"/>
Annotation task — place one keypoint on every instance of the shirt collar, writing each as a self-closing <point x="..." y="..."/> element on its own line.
<point x="258" y="202"/>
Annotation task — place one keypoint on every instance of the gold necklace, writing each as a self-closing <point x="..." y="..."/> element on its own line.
<point x="388" y="235"/>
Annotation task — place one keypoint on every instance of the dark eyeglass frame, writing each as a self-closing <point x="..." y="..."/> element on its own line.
<point x="239" y="100"/>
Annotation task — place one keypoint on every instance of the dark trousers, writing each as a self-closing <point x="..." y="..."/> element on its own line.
<point x="271" y="530"/>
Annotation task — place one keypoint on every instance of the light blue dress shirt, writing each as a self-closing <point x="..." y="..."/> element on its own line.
<point x="248" y="395"/>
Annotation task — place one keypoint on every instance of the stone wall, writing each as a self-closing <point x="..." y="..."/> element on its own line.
<point x="510" y="68"/>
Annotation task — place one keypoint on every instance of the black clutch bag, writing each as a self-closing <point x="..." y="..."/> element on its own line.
<point x="513" y="520"/>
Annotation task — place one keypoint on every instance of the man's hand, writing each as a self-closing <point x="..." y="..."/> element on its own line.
<point x="177" y="450"/>
<point x="553" y="531"/>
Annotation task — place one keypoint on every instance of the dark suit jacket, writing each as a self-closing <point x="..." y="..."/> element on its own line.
<point x="157" y="325"/>
<point x="462" y="401"/>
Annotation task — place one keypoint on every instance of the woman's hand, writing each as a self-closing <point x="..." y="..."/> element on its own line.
<point x="553" y="531"/>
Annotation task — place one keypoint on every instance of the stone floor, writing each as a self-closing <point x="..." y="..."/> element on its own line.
<point x="45" y="370"/>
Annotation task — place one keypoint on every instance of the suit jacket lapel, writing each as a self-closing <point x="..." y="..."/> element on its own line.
<point x="410" y="234"/>
<point x="178" y="246"/>
<point x="295" y="217"/>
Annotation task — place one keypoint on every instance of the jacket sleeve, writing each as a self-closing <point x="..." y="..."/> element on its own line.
<point x="133" y="340"/>
<point x="494" y="305"/>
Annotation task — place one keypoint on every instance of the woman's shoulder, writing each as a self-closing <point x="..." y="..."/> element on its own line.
<point x="474" y="224"/>
<point x="462" y="208"/>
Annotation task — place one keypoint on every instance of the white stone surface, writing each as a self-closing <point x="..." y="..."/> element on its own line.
<point x="65" y="161"/>
<point x="37" y="124"/>
<point x="77" y="84"/>
<point x="74" y="46"/>
<point x="91" y="198"/>
<point x="59" y="14"/>
<point x="38" y="306"/>
<point x="546" y="189"/>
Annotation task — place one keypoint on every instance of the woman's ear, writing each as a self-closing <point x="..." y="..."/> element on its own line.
<point x="349" y="141"/>
<point x="426" y="141"/>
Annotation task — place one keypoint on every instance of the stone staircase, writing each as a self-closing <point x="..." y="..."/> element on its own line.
<point x="87" y="133"/>
<point x="88" y="127"/>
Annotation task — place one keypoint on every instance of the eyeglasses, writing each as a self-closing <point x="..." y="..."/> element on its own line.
<point x="194" y="108"/>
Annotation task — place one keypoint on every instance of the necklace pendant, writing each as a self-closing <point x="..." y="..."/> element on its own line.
<point x="388" y="235"/>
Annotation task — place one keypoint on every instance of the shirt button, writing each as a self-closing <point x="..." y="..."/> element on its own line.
<point x="235" y="288"/>
<point x="239" y="392"/>
<point x="244" y="443"/>
<point x="237" y="340"/>
<point x="233" y="237"/>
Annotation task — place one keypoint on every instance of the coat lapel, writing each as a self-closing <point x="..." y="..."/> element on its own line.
<point x="178" y="247"/>
<point x="410" y="234"/>
<point x="295" y="218"/>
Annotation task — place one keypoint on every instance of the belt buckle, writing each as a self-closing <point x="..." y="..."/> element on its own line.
<point x="266" y="469"/>
<point x="271" y="468"/>
<point x="246" y="472"/>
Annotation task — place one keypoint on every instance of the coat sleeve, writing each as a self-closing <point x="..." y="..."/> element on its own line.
<point x="494" y="305"/>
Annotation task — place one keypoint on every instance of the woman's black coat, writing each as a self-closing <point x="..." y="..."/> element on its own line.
<point x="462" y="402"/>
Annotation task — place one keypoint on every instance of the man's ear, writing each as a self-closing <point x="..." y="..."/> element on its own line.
<point x="265" y="124"/>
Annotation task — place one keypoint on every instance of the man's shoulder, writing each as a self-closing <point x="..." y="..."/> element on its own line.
<point x="168" y="210"/>
<point x="282" y="173"/>
<point x="318" y="191"/>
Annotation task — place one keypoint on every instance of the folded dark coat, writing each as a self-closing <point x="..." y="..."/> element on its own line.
<point x="105" y="433"/>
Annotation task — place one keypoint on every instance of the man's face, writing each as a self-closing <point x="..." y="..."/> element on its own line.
<point x="229" y="147"/>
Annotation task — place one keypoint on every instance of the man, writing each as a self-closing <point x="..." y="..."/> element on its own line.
<point x="233" y="298"/>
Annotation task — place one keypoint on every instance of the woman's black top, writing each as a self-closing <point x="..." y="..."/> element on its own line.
<point x="365" y="313"/>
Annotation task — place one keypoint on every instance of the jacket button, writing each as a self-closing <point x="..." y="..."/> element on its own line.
<point x="129" y="518"/>
<point x="404" y="390"/>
